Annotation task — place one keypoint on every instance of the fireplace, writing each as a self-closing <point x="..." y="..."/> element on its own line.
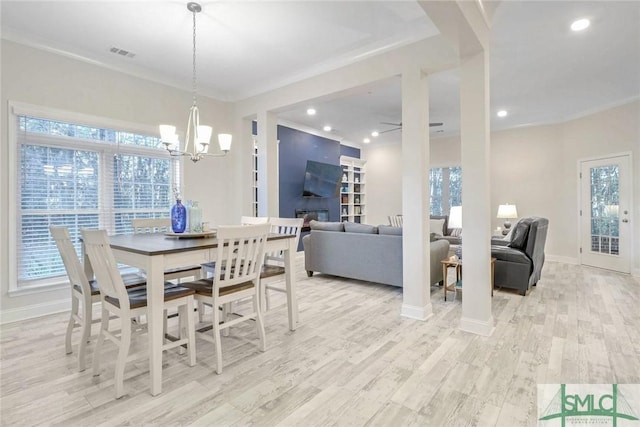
<point x="311" y="214"/>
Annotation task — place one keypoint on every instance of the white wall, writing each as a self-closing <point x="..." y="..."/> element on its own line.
<point x="384" y="182"/>
<point x="44" y="79"/>
<point x="532" y="167"/>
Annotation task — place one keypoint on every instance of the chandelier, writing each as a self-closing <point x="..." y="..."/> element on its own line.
<point x="197" y="137"/>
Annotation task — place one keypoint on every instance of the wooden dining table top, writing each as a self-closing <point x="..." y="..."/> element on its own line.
<point x="160" y="244"/>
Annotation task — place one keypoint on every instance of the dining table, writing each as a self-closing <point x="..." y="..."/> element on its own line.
<point x="156" y="252"/>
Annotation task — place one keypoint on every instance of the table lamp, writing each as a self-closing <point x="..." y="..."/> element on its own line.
<point x="507" y="212"/>
<point x="455" y="217"/>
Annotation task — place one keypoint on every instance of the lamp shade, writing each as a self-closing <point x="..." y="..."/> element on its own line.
<point x="204" y="134"/>
<point x="224" y="140"/>
<point x="455" y="217"/>
<point x="507" y="211"/>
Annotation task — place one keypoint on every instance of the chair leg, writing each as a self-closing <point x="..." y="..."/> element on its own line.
<point x="200" y="311"/>
<point x="71" y="324"/>
<point x="265" y="301"/>
<point x="125" y="342"/>
<point x="164" y="325"/>
<point x="226" y="308"/>
<point x="216" y="337"/>
<point x="190" y="332"/>
<point x="104" y="326"/>
<point x="182" y="321"/>
<point x="259" y="323"/>
<point x="85" y="331"/>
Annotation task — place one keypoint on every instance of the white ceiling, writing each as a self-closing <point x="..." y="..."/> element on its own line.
<point x="541" y="72"/>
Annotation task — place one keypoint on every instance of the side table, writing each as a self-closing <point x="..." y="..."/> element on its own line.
<point x="455" y="262"/>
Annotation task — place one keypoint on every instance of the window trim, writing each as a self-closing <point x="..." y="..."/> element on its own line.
<point x="14" y="140"/>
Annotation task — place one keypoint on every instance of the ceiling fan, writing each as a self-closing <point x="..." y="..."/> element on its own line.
<point x="398" y="126"/>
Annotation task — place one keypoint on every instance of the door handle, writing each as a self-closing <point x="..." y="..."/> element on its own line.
<point x="625" y="220"/>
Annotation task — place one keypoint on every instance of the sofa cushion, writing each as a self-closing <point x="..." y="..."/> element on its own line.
<point x="390" y="230"/>
<point x="326" y="226"/>
<point x="519" y="235"/>
<point x="354" y="227"/>
<point x="445" y="225"/>
<point x="437" y="226"/>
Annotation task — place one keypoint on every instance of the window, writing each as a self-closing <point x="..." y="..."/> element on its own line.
<point x="445" y="189"/>
<point x="81" y="176"/>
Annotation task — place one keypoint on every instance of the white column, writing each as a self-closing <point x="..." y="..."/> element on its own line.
<point x="268" y="189"/>
<point x="476" y="194"/>
<point x="416" y="293"/>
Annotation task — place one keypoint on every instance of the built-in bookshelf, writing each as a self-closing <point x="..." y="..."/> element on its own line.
<point x="353" y="190"/>
<point x="254" y="188"/>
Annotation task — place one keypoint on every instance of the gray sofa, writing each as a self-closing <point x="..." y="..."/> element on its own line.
<point x="363" y="252"/>
<point x="519" y="261"/>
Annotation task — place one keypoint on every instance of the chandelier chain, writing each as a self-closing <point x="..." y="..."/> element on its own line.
<point x="194" y="57"/>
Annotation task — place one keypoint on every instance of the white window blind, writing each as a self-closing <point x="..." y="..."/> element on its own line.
<point x="79" y="176"/>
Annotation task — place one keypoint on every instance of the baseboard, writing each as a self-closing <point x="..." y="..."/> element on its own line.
<point x="562" y="259"/>
<point x="418" y="313"/>
<point x="34" y="310"/>
<point x="477" y="327"/>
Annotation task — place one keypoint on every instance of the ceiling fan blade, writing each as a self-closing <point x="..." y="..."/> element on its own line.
<point x="392" y="124"/>
<point x="390" y="130"/>
<point x="435" y="124"/>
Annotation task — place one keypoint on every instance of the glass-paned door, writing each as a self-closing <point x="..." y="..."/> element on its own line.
<point x="605" y="213"/>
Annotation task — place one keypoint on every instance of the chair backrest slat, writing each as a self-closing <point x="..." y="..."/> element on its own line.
<point x="241" y="250"/>
<point x="72" y="264"/>
<point x="395" y="220"/>
<point x="283" y="226"/>
<point x="104" y="265"/>
<point x="151" y="225"/>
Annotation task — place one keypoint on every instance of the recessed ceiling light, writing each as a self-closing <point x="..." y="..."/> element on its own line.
<point x="502" y="113"/>
<point x="375" y="133"/>
<point x="311" y="111"/>
<point x="366" y="140"/>
<point x="327" y="128"/>
<point x="580" y="24"/>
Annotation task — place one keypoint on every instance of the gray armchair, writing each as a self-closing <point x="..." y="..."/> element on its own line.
<point x="519" y="263"/>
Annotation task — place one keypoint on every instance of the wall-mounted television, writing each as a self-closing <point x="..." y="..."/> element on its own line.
<point x="322" y="180"/>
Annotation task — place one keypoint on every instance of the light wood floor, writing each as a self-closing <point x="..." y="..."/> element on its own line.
<point x="353" y="361"/>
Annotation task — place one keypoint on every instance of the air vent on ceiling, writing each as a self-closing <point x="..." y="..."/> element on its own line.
<point x="122" y="52"/>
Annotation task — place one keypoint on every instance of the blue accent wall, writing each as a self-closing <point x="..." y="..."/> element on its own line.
<point x="296" y="147"/>
<point x="345" y="150"/>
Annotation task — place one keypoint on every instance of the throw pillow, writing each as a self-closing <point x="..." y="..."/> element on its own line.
<point x="455" y="232"/>
<point x="326" y="226"/>
<point x="437" y="226"/>
<point x="519" y="235"/>
<point x="354" y="227"/>
<point x="445" y="227"/>
<point x="390" y="230"/>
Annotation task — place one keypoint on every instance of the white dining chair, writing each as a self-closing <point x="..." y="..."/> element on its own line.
<point x="84" y="293"/>
<point x="273" y="269"/>
<point x="209" y="267"/>
<point x="116" y="300"/>
<point x="241" y="252"/>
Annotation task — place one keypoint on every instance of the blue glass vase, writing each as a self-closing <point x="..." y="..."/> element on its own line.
<point x="178" y="217"/>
